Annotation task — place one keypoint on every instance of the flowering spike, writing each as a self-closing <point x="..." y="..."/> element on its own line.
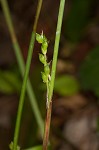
<point x="43" y="58"/>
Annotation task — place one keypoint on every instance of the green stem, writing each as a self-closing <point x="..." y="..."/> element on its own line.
<point x="21" y="62"/>
<point x="56" y="47"/>
<point x="29" y="57"/>
<point x="47" y="102"/>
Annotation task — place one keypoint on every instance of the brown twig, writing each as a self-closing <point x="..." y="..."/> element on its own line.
<point x="47" y="126"/>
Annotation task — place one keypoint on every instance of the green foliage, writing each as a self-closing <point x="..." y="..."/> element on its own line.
<point x="66" y="85"/>
<point x="77" y="19"/>
<point x="89" y="72"/>
<point x="9" y="82"/>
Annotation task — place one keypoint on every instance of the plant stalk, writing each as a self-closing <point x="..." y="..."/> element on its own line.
<point x="47" y="126"/>
<point x="56" y="47"/>
<point x="28" y="62"/>
<point x="53" y="72"/>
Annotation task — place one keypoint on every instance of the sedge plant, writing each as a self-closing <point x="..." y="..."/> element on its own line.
<point x="47" y="78"/>
<point x="48" y="75"/>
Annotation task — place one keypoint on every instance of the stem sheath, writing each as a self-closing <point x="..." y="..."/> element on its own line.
<point x="47" y="126"/>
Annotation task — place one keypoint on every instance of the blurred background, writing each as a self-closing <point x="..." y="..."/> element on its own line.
<point x="75" y="113"/>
